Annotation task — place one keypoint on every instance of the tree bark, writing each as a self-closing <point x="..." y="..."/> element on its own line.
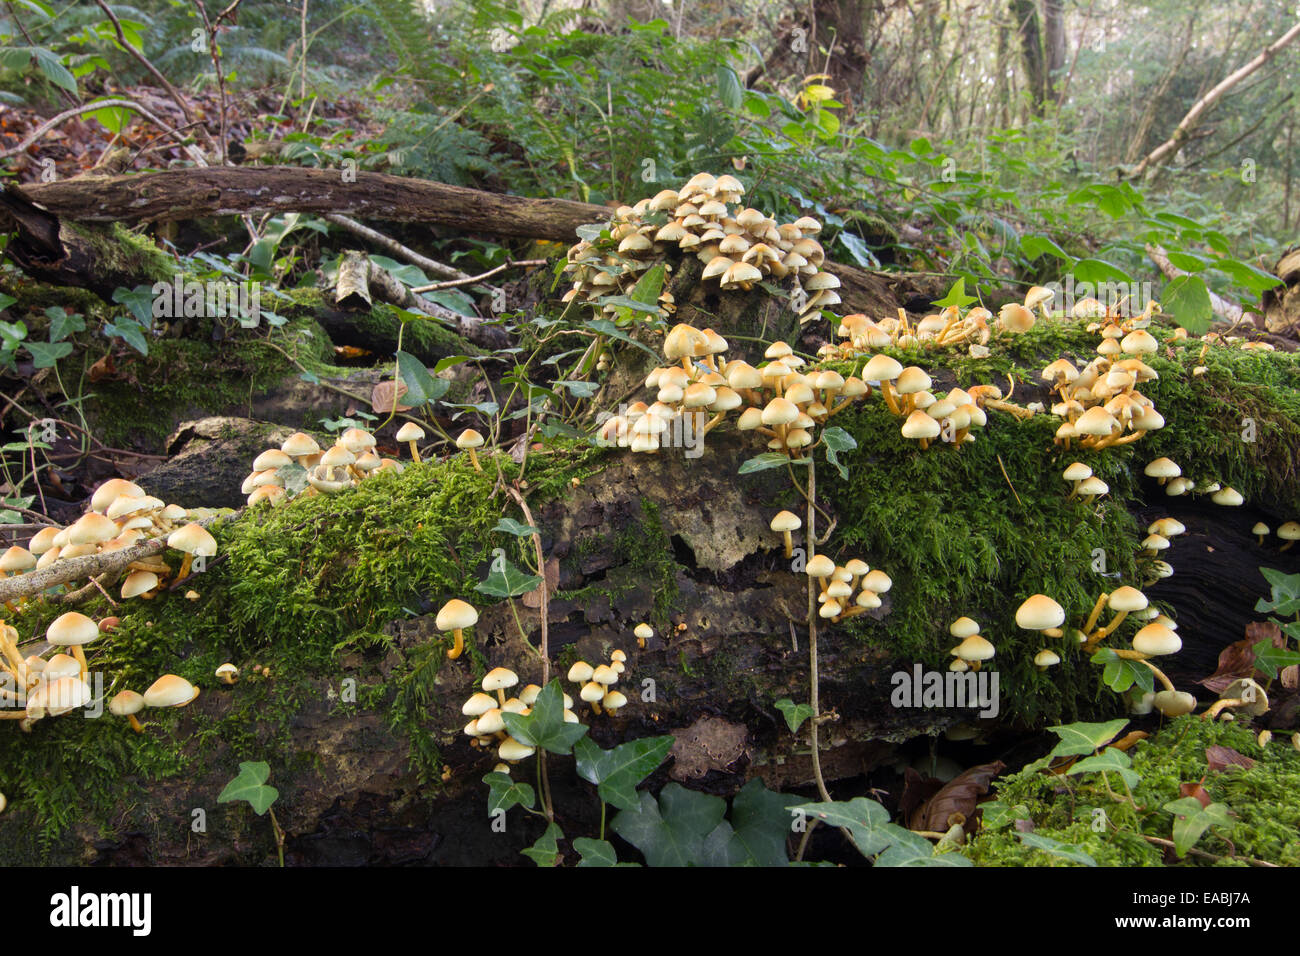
<point x="1031" y="45"/>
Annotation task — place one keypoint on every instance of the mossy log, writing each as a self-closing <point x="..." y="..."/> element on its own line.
<point x="359" y="714"/>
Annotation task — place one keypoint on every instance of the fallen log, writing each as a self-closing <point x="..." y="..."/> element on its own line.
<point x="177" y="194"/>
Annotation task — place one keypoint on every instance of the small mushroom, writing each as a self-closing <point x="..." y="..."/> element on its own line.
<point x="455" y="616"/>
<point x="411" y="433"/>
<point x="785" y="522"/>
<point x="468" y="440"/>
<point x="1243" y="695"/>
<point x="127" y="704"/>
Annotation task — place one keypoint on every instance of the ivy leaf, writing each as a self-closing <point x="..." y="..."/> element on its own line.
<point x="1084" y="738"/>
<point x="595" y="852"/>
<point x="130" y="332"/>
<point x="866" y="821"/>
<point x="956" y="296"/>
<point x="912" y="849"/>
<point x="13" y="335"/>
<point x="1109" y="759"/>
<point x="795" y="714"/>
<point x="504" y="793"/>
<point x="1031" y="247"/>
<point x="671" y="831"/>
<point x="62" y="324"/>
<point x="250" y="785"/>
<point x="546" y="851"/>
<point x="1270" y="659"/>
<point x="421" y="387"/>
<point x="138" y="301"/>
<point x="45" y="355"/>
<point x="606" y="327"/>
<point x="507" y="581"/>
<point x="6" y="300"/>
<point x="1119" y="674"/>
<point x="1187" y="299"/>
<point x="517" y="528"/>
<point x="1191" y="820"/>
<point x="1065" y="851"/>
<point x="838" y="440"/>
<point x="769" y="459"/>
<point x="995" y="814"/>
<point x="757" y="831"/>
<point x="649" y="286"/>
<point x="1285" y="598"/>
<point x="617" y="772"/>
<point x="545" y="726"/>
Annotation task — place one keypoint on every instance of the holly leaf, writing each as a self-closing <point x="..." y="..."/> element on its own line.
<point x="545" y="726"/>
<point x="617" y="772"/>
<point x="250" y="785"/>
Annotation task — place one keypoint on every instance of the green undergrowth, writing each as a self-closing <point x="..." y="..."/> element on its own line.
<point x="978" y="530"/>
<point x="1264" y="801"/>
<point x="295" y="589"/>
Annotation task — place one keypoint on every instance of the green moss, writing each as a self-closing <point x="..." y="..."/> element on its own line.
<point x="292" y="589"/>
<point x="1264" y="801"/>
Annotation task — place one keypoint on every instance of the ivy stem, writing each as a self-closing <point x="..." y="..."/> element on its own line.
<point x="810" y="538"/>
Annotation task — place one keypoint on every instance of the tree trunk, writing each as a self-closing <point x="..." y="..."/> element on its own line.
<point x="1025" y="13"/>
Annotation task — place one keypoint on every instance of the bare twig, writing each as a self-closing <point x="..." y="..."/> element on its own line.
<point x="470" y="280"/>
<point x="119" y="103"/>
<point x="396" y="248"/>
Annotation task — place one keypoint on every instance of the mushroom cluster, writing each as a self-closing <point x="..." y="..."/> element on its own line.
<point x="487" y="727"/>
<point x="974" y="648"/>
<point x="846" y="590"/>
<point x="776" y="399"/>
<point x="597" y="683"/>
<point x="1100" y="403"/>
<point x="37" y="687"/>
<point x="738" y="245"/>
<point x="121" y="515"/>
<point x="343" y="465"/>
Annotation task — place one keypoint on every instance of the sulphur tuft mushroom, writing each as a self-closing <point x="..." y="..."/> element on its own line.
<point x="194" y="541"/>
<point x="468" y="441"/>
<point x="410" y="433"/>
<point x="455" y="616"/>
<point x="1243" y="695"/>
<point x="127" y="704"/>
<point x="784" y="523"/>
<point x="170" y="691"/>
<point x="228" y="673"/>
<point x="643" y="632"/>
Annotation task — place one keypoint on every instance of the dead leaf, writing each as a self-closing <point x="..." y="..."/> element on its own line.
<point x="958" y="797"/>
<point x="385" y="394"/>
<point x="1129" y="739"/>
<point x="1237" y="660"/>
<point x="1195" y="790"/>
<point x="1218" y="757"/>
<point x="102" y="369"/>
<point x="917" y="789"/>
<point x="1290" y="677"/>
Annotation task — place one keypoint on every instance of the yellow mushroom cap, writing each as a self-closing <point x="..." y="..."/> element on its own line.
<point x="820" y="566"/>
<point x="1047" y="658"/>
<point x="111" y="490"/>
<point x="1039" y="613"/>
<point x="1127" y="599"/>
<point x="126" y="703"/>
<point x="580" y="672"/>
<point x="92" y="528"/>
<point x="499" y="678"/>
<point x="1175" y="703"/>
<point x="1155" y="640"/>
<point x="469" y="438"/>
<point x="410" y="432"/>
<point x="299" y="445"/>
<point x="963" y="627"/>
<point x="604" y="674"/>
<point x="57" y="697"/>
<point x="18" y="559"/>
<point x="193" y="539"/>
<point x="170" y="691"/>
<point x="643" y="631"/>
<point x="975" y="648"/>
<point x="511" y="749"/>
<point x="139" y="582"/>
<point x="592" y="692"/>
<point x="71" y="629"/>
<point x="270" y="459"/>
<point x="456" y="614"/>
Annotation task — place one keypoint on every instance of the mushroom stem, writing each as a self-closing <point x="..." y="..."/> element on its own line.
<point x="595" y="706"/>
<point x="1096" y="613"/>
<point x="1169" y="685"/>
<point x="1222" y="704"/>
<point x="1109" y="629"/>
<point x="501" y="696"/>
<point x="888" y="392"/>
<point x="789" y="544"/>
<point x="925" y="443"/>
<point x="11" y="652"/>
<point x="135" y="724"/>
<point x="1011" y="408"/>
<point x="474" y="459"/>
<point x="713" y="422"/>
<point x="459" y="647"/>
<point x="1284" y="547"/>
<point x="80" y="655"/>
<point x="185" y="568"/>
<point x="415" y="454"/>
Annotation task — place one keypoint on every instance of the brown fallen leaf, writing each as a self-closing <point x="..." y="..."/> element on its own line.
<point x="917" y="789"/>
<point x="1195" y="790"/>
<point x="1237" y="660"/>
<point x="1290" y="677"/>
<point x="383" y="396"/>
<point x="1218" y="757"/>
<point x="959" y="796"/>
<point x="1129" y="740"/>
